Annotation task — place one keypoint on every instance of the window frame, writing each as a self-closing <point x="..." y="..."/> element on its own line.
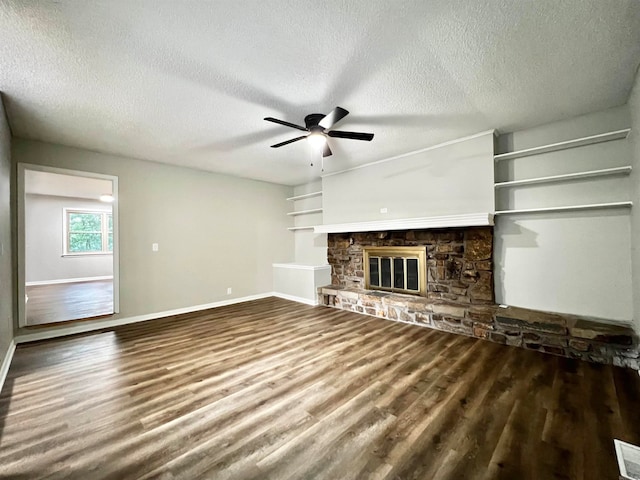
<point x="104" y="224"/>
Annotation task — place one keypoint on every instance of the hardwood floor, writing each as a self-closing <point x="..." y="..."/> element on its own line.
<point x="273" y="389"/>
<point x="69" y="301"/>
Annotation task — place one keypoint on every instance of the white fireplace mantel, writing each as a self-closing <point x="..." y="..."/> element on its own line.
<point x="442" y="221"/>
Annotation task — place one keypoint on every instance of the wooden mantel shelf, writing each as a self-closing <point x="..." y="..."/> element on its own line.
<point x="442" y="221"/>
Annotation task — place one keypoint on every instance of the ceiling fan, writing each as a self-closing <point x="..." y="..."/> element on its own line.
<point x="318" y="125"/>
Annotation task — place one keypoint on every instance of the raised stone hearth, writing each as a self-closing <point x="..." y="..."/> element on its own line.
<point x="557" y="334"/>
<point x="459" y="297"/>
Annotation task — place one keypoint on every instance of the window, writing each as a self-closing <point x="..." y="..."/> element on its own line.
<point x="88" y="232"/>
<point x="396" y="269"/>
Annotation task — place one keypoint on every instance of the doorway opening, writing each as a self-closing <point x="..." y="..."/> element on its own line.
<point x="67" y="245"/>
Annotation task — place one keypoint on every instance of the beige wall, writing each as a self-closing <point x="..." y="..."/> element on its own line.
<point x="634" y="110"/>
<point x="7" y="284"/>
<point x="214" y="231"/>
<point x="44" y="220"/>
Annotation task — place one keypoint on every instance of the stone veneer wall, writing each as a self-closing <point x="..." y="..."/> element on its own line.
<point x="459" y="260"/>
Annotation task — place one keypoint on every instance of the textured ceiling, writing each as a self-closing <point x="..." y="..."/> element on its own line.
<point x="189" y="83"/>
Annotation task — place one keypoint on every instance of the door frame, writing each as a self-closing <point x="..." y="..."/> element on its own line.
<point x="21" y="200"/>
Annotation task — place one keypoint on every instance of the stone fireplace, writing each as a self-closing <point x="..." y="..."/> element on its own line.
<point x="458" y="294"/>
<point x="458" y="267"/>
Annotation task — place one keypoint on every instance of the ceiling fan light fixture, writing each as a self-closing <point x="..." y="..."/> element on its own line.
<point x="317" y="140"/>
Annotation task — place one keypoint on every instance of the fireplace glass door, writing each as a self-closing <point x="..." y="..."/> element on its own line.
<point x="396" y="269"/>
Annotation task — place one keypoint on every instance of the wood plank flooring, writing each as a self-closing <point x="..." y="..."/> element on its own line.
<point x="273" y="389"/>
<point x="69" y="301"/>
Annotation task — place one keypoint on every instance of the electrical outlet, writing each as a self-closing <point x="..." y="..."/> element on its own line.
<point x="154" y="247"/>
<point x="384" y="210"/>
<point x="229" y="291"/>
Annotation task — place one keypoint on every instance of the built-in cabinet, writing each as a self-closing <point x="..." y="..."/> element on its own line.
<point x="573" y="189"/>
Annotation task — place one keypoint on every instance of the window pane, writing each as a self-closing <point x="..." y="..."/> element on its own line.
<point x="110" y="242"/>
<point x="85" y="242"/>
<point x="374" y="272"/>
<point x="110" y="223"/>
<point x="412" y="274"/>
<point x="85" y="222"/>
<point x="385" y="266"/>
<point x="398" y="273"/>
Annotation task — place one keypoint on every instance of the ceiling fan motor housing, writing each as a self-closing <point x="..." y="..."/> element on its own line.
<point x="312" y="120"/>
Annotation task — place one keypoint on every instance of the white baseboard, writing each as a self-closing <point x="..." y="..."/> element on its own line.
<point x="108" y="323"/>
<point x="68" y="280"/>
<point x="293" y="298"/>
<point x="6" y="363"/>
<point x="83" y="327"/>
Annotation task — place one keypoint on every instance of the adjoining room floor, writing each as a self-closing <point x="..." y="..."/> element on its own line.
<point x="273" y="389"/>
<point x="69" y="301"/>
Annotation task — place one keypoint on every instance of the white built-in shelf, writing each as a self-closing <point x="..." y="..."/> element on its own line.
<point x="306" y="195"/>
<point x="293" y="229"/>
<point x="305" y="212"/>
<point x="593" y="206"/>
<point x="568" y="176"/>
<point x="553" y="147"/>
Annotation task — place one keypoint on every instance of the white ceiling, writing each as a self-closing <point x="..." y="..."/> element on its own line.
<point x="47" y="183"/>
<point x="189" y="83"/>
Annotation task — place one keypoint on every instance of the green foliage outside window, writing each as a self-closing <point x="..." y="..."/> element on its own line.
<point x="89" y="232"/>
